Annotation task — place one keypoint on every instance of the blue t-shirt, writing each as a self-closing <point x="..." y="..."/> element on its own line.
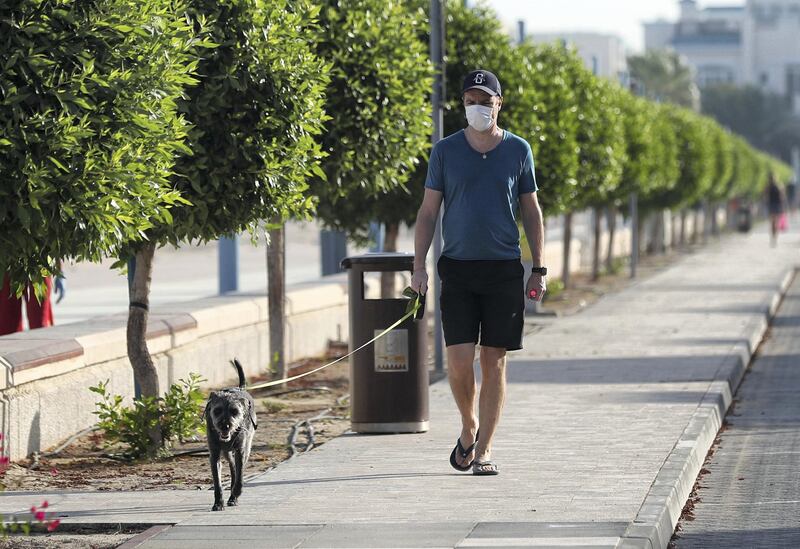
<point x="481" y="195"/>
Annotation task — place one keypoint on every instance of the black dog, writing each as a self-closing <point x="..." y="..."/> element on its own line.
<point x="230" y="424"/>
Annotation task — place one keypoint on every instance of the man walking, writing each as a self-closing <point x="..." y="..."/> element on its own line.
<point x="483" y="174"/>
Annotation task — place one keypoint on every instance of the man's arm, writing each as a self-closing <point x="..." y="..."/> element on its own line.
<point x="424" y="229"/>
<point x="533" y="224"/>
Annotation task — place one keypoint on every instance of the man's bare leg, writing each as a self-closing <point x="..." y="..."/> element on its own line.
<point x="462" y="383"/>
<point x="492" y="397"/>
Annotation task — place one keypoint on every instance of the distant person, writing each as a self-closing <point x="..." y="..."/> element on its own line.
<point x="483" y="175"/>
<point x="776" y="205"/>
<point x="791" y="196"/>
<point x="40" y="315"/>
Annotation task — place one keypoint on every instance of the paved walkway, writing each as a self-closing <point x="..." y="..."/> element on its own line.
<point x="608" y="418"/>
<point x="750" y="496"/>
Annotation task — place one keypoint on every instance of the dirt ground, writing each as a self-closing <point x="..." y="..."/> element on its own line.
<point x="74" y="539"/>
<point x="87" y="465"/>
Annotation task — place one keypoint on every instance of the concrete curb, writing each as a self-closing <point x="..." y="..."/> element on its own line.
<point x="659" y="514"/>
<point x="140" y="539"/>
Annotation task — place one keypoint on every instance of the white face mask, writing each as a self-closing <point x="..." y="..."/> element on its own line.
<point x="479" y="117"/>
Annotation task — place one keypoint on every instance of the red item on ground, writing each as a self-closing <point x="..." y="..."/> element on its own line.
<point x="783" y="222"/>
<point x="40" y="315"/>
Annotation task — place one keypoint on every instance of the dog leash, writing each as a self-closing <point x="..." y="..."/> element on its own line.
<point x="416" y="305"/>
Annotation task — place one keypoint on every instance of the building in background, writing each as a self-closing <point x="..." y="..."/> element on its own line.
<point x="603" y="54"/>
<point x="757" y="43"/>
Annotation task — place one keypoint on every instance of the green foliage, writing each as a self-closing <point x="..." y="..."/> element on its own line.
<point x="724" y="160"/>
<point x="555" y="287"/>
<point x="695" y="158"/>
<point x="656" y="192"/>
<point x="256" y="113"/>
<point x="642" y="157"/>
<point x="601" y="139"/>
<point x="178" y="415"/>
<point x="379" y="108"/>
<point x="554" y="135"/>
<point x="89" y="126"/>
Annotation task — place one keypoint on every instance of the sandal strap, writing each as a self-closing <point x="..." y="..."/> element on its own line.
<point x="465" y="452"/>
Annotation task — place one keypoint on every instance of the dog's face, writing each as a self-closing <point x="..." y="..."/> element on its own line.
<point x="227" y="411"/>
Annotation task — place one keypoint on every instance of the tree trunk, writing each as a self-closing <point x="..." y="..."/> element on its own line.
<point x="683" y="227"/>
<point x="730" y="214"/>
<point x="697" y="231"/>
<point x="662" y="232"/>
<point x="388" y="289"/>
<point x="565" y="276"/>
<point x="673" y="227"/>
<point x="714" y="222"/>
<point x="650" y="233"/>
<point x="145" y="374"/>
<point x="612" y="229"/>
<point x="598" y="229"/>
<point x="635" y="233"/>
<point x="641" y="229"/>
<point x="276" y="277"/>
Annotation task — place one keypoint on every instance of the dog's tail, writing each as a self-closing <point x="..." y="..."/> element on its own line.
<point x="240" y="371"/>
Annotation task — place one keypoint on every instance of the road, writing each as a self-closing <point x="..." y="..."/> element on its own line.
<point x="750" y="496"/>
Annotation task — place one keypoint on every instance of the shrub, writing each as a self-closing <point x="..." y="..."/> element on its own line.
<point x="178" y="414"/>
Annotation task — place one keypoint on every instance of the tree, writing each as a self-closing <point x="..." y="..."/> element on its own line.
<point x="256" y="113"/>
<point x="696" y="160"/>
<point x="89" y="131"/>
<point x="642" y="159"/>
<point x="379" y="108"/>
<point x="601" y="147"/>
<point x="663" y="76"/>
<point x="554" y="134"/>
<point x="721" y="188"/>
<point x="765" y="119"/>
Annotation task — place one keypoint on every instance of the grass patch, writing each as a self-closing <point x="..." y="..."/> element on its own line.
<point x="555" y="287"/>
<point x="273" y="405"/>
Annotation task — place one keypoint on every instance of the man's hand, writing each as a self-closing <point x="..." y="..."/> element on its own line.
<point x="419" y="281"/>
<point x="536" y="283"/>
<point x="61" y="288"/>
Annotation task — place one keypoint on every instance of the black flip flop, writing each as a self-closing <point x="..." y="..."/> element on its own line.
<point x="464" y="453"/>
<point x="479" y="468"/>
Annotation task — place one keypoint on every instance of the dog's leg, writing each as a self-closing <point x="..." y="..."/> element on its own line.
<point x="231" y="456"/>
<point x="216" y="466"/>
<point x="237" y="468"/>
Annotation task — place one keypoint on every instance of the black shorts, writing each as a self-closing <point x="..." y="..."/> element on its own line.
<point x="482" y="297"/>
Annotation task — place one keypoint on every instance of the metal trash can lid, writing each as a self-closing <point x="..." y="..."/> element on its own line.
<point x="401" y="260"/>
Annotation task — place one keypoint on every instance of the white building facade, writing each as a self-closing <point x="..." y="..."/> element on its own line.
<point x="754" y="44"/>
<point x="603" y="54"/>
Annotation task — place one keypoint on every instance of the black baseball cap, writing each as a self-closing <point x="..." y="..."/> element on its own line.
<point x="482" y="80"/>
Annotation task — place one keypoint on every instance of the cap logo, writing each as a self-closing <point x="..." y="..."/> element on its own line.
<point x="479" y="78"/>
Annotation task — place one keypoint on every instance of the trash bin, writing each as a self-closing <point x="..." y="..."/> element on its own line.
<point x="744" y="219"/>
<point x="388" y="378"/>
